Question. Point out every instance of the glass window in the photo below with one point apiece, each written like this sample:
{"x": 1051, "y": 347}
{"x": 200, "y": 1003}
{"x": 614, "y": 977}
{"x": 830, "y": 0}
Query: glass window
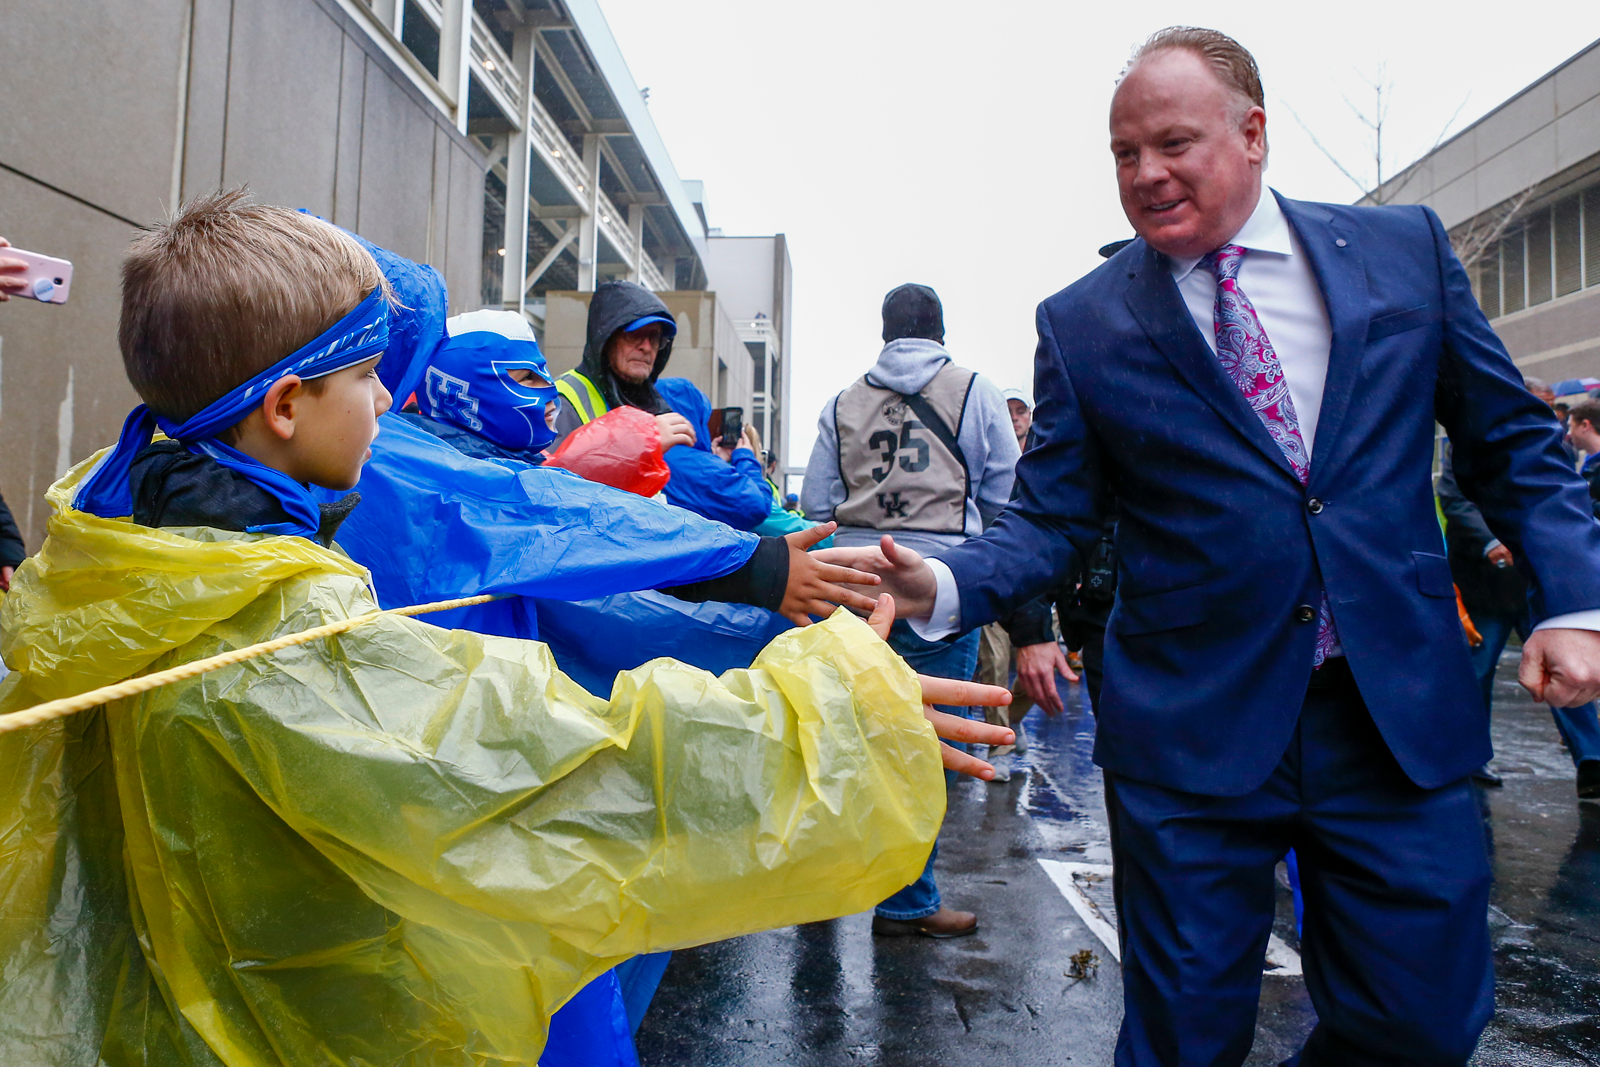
{"x": 1591, "y": 236}
{"x": 1513, "y": 276}
{"x": 1539, "y": 280}
{"x": 1489, "y": 282}
{"x": 1569, "y": 247}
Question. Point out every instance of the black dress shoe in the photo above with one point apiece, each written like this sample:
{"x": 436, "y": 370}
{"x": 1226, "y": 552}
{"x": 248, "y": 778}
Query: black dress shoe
{"x": 1487, "y": 778}
{"x": 1589, "y": 780}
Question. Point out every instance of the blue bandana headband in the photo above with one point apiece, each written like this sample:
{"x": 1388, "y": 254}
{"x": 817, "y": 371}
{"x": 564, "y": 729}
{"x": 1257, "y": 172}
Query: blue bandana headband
{"x": 356, "y": 338}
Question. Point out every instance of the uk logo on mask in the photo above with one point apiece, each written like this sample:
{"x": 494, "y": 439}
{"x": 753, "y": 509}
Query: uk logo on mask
{"x": 451, "y": 397}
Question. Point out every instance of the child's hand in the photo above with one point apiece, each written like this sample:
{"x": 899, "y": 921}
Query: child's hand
{"x": 905, "y": 574}
{"x": 812, "y": 589}
{"x": 950, "y": 691}
{"x": 675, "y": 430}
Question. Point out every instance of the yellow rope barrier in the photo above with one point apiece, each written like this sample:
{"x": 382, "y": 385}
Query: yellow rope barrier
{"x": 60, "y": 709}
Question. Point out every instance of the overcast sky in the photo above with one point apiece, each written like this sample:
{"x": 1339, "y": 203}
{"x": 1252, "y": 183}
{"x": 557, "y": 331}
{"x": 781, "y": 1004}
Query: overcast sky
{"x": 964, "y": 145}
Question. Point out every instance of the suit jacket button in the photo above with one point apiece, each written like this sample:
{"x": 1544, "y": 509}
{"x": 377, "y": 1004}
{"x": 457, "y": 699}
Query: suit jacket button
{"x": 1305, "y": 613}
{"x": 1314, "y": 506}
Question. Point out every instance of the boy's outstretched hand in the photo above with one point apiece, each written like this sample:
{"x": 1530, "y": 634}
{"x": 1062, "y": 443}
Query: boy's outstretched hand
{"x": 815, "y": 585}
{"x": 904, "y": 573}
{"x": 950, "y": 691}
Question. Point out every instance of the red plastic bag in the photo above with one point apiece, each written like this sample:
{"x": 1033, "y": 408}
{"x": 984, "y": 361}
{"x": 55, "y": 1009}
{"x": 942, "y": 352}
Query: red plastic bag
{"x": 621, "y": 448}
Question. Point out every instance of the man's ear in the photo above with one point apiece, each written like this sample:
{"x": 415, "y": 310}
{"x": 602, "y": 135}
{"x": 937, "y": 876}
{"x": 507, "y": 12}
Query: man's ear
{"x": 1254, "y": 128}
{"x": 278, "y": 407}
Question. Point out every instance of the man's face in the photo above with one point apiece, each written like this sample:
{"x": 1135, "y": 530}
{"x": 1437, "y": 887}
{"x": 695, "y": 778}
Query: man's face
{"x": 1188, "y": 153}
{"x": 1585, "y": 436}
{"x": 1021, "y": 419}
{"x": 633, "y": 353}
{"x": 1546, "y": 394}
{"x": 334, "y": 429}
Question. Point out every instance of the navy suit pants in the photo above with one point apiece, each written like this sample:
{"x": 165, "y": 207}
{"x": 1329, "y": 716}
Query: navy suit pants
{"x": 1396, "y": 882}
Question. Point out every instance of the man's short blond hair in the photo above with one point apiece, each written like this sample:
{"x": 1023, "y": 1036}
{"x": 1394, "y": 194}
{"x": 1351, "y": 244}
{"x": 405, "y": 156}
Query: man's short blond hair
{"x": 1229, "y": 60}
{"x": 224, "y": 289}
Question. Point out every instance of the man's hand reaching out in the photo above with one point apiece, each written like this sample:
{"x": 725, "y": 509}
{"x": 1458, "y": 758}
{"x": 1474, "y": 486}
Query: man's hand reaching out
{"x": 816, "y": 585}
{"x": 950, "y": 691}
{"x": 905, "y": 575}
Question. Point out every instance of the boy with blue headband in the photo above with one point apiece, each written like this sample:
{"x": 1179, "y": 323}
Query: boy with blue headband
{"x": 403, "y": 844}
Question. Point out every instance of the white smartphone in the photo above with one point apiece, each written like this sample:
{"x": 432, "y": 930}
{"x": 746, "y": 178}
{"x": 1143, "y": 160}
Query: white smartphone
{"x": 49, "y": 279}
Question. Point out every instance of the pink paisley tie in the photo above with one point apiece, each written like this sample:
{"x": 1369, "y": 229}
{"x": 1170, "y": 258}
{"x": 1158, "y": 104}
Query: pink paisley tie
{"x": 1247, "y": 355}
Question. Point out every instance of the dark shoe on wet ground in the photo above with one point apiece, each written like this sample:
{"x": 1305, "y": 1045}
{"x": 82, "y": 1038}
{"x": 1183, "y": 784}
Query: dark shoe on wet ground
{"x": 1589, "y": 780}
{"x": 1487, "y": 778}
{"x": 943, "y": 923}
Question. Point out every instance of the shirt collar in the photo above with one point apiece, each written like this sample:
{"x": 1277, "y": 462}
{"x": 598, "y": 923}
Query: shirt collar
{"x": 1266, "y": 230}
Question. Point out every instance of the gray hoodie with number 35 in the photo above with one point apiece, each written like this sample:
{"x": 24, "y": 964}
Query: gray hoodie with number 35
{"x": 986, "y": 437}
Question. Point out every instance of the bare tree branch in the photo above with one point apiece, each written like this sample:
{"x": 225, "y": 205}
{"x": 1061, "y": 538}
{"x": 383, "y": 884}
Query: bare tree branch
{"x": 1359, "y": 184}
{"x": 1412, "y": 171}
{"x": 1474, "y": 241}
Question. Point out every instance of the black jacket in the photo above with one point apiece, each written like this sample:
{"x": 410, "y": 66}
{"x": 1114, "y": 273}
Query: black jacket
{"x": 1591, "y": 474}
{"x": 175, "y": 487}
{"x": 12, "y": 550}
{"x": 1487, "y": 591}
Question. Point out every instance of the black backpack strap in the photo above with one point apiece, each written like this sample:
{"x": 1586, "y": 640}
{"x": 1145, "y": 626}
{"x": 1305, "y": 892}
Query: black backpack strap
{"x": 940, "y": 429}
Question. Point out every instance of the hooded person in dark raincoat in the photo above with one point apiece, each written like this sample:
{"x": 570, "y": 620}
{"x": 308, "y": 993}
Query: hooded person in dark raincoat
{"x": 627, "y": 319}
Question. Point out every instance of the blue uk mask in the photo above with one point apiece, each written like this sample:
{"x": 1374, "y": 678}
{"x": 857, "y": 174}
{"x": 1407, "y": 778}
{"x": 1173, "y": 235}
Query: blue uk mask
{"x": 472, "y": 380}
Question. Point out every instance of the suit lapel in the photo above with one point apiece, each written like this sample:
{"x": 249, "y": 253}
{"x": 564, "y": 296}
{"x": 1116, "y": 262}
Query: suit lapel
{"x": 1341, "y": 275}
{"x": 1154, "y": 299}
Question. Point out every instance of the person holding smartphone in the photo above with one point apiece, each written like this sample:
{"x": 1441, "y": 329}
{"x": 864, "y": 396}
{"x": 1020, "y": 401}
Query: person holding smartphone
{"x": 10, "y": 274}
{"x": 628, "y": 344}
{"x": 12, "y": 550}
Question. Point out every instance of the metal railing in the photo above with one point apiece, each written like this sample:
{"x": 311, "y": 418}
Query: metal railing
{"x": 650, "y": 275}
{"x": 495, "y": 69}
{"x": 614, "y": 225}
{"x": 543, "y": 129}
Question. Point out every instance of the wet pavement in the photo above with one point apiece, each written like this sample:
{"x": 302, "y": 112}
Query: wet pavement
{"x": 832, "y": 994}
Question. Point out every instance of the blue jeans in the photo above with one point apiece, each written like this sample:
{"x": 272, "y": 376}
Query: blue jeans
{"x": 940, "y": 659}
{"x": 1579, "y": 727}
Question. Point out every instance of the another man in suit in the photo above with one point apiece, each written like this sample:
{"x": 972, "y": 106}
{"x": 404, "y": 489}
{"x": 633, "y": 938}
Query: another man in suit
{"x": 1256, "y": 381}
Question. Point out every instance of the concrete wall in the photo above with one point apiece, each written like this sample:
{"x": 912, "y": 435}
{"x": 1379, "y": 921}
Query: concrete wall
{"x": 753, "y": 274}
{"x": 1555, "y": 340}
{"x": 707, "y": 349}
{"x": 128, "y": 105}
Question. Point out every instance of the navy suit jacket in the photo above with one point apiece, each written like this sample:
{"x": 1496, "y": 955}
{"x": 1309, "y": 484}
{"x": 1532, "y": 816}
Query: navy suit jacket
{"x": 1221, "y": 549}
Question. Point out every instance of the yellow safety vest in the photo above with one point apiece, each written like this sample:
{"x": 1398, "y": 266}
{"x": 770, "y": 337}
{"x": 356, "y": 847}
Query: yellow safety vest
{"x": 569, "y": 385}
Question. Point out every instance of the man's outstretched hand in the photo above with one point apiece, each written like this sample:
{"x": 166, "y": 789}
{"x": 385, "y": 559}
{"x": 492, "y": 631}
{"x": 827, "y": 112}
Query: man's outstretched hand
{"x": 950, "y": 691}
{"x": 1561, "y": 667}
{"x": 1037, "y": 667}
{"x": 817, "y": 585}
{"x": 905, "y": 575}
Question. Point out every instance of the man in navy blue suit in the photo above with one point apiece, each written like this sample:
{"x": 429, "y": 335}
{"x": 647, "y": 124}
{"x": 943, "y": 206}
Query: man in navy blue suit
{"x": 1256, "y": 380}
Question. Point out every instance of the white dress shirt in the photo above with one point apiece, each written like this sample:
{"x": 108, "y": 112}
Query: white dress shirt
{"x": 1276, "y": 277}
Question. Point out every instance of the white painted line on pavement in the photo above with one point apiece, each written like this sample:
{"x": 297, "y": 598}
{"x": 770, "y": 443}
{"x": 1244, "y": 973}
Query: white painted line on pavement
{"x": 1061, "y": 873}
{"x": 1281, "y": 959}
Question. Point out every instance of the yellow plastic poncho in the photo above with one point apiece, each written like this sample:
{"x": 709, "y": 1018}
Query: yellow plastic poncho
{"x": 405, "y": 844}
